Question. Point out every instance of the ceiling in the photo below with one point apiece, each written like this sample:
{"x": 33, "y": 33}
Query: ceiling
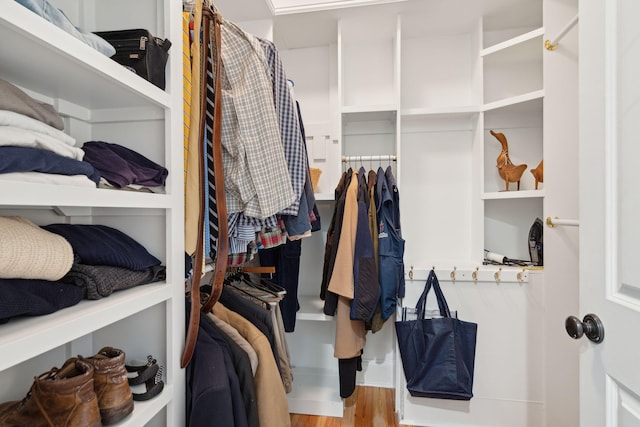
{"x": 303, "y": 23}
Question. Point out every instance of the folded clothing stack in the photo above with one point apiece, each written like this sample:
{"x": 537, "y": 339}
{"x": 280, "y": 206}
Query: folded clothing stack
{"x": 106, "y": 259}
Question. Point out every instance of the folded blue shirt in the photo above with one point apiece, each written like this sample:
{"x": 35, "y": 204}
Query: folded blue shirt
{"x": 27, "y": 159}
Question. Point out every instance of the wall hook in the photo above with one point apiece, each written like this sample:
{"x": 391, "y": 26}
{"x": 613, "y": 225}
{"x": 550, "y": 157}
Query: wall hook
{"x": 453, "y": 274}
{"x": 411, "y": 273}
{"x": 474, "y": 275}
{"x": 496, "y": 275}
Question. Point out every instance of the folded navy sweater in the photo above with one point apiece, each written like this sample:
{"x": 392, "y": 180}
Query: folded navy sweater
{"x": 96, "y": 244}
{"x": 28, "y": 159}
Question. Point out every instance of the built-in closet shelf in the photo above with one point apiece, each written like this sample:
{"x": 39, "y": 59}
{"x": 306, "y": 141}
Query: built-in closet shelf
{"x": 518, "y": 42}
{"x": 315, "y": 391}
{"x": 369, "y": 109}
{"x": 462, "y": 111}
{"x": 99, "y": 99}
{"x": 97, "y": 81}
{"x": 514, "y": 100}
{"x": 33, "y": 194}
{"x": 311, "y": 309}
{"x": 23, "y": 338}
{"x": 524, "y": 194}
{"x": 325, "y": 197}
{"x": 144, "y": 412}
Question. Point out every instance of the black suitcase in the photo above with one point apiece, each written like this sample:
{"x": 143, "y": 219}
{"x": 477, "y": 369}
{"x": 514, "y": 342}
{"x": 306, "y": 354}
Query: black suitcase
{"x": 140, "y": 52}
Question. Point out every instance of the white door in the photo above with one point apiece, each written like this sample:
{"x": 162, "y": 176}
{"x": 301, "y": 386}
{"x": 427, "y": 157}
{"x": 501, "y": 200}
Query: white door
{"x": 610, "y": 210}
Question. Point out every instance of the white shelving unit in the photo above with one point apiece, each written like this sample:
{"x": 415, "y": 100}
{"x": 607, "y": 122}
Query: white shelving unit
{"x": 426, "y": 81}
{"x": 101, "y": 100}
{"x": 423, "y": 80}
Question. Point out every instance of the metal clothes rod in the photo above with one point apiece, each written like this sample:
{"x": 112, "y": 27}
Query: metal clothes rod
{"x": 248, "y": 269}
{"x": 553, "y": 43}
{"x": 552, "y": 222}
{"x": 346, "y": 159}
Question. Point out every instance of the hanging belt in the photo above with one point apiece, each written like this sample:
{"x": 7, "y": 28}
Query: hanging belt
{"x": 220, "y": 265}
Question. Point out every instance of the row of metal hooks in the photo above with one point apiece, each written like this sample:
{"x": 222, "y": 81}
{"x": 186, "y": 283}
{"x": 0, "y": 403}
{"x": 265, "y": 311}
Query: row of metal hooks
{"x": 476, "y": 275}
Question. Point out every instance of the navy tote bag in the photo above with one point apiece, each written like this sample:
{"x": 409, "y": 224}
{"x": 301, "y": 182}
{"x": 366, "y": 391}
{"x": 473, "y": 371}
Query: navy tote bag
{"x": 438, "y": 354}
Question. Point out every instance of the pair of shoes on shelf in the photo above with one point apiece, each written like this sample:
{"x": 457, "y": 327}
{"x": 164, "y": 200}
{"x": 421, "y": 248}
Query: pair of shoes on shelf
{"x": 85, "y": 392}
{"x": 148, "y": 373}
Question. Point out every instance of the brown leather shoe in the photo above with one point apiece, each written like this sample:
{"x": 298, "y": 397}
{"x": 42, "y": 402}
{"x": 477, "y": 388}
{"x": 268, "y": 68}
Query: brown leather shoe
{"x": 111, "y": 385}
{"x": 58, "y": 398}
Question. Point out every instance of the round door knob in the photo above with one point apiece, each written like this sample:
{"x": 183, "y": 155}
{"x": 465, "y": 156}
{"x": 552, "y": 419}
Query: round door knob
{"x": 591, "y": 326}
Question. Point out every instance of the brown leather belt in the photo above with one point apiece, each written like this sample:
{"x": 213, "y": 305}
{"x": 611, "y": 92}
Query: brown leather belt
{"x": 210, "y": 19}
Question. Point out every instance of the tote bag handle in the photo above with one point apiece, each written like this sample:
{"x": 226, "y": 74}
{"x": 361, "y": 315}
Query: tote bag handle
{"x": 432, "y": 281}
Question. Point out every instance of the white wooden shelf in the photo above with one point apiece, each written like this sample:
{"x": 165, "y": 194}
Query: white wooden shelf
{"x": 144, "y": 411}
{"x": 514, "y": 100}
{"x": 97, "y": 81}
{"x": 387, "y": 109}
{"x": 101, "y": 100}
{"x": 325, "y": 197}
{"x": 34, "y": 194}
{"x": 23, "y": 338}
{"x": 315, "y": 392}
{"x": 524, "y": 194}
{"x": 513, "y": 42}
{"x": 443, "y": 112}
{"x": 311, "y": 309}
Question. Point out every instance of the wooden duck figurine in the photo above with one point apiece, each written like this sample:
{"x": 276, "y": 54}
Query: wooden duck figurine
{"x": 538, "y": 173}
{"x": 506, "y": 169}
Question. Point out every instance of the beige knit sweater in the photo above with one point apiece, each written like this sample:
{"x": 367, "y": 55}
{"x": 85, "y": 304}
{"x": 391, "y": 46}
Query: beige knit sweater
{"x": 30, "y": 252}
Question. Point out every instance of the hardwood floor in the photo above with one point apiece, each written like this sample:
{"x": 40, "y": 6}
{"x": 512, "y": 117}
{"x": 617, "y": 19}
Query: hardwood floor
{"x": 368, "y": 407}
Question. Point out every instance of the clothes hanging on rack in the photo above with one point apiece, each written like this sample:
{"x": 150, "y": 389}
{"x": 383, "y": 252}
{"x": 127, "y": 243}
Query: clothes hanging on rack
{"x": 265, "y": 158}
{"x": 193, "y": 206}
{"x": 350, "y": 334}
{"x": 301, "y": 217}
{"x": 376, "y": 322}
{"x": 366, "y": 290}
{"x": 213, "y": 395}
{"x": 256, "y": 173}
{"x": 286, "y": 259}
{"x": 257, "y": 304}
{"x": 250, "y": 146}
{"x": 258, "y": 316}
{"x": 250, "y": 310}
{"x": 242, "y": 366}
{"x": 255, "y": 194}
{"x": 211, "y": 121}
{"x": 363, "y": 271}
{"x": 240, "y": 341}
{"x": 273, "y": 409}
{"x": 390, "y": 242}
{"x": 290, "y": 134}
{"x": 259, "y": 294}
